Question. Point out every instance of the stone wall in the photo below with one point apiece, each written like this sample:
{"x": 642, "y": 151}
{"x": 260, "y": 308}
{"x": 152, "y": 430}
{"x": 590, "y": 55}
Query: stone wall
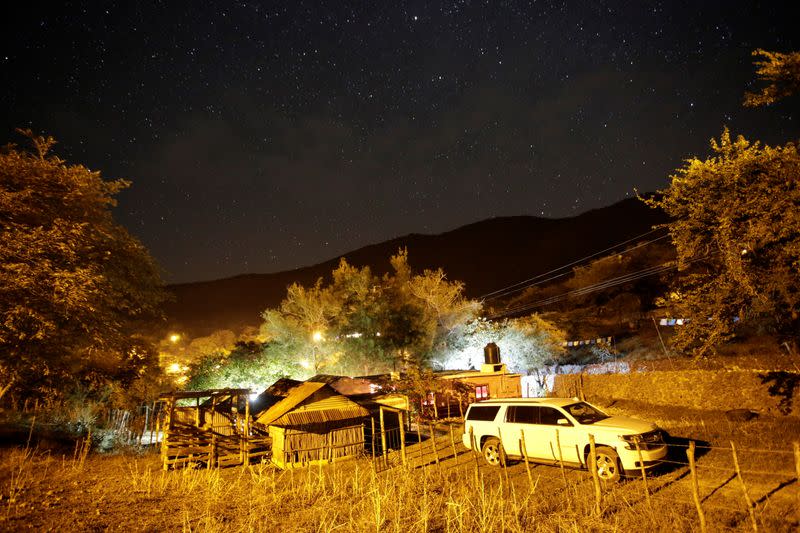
{"x": 698, "y": 389}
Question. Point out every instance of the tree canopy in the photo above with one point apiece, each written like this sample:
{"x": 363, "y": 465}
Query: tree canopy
{"x": 360, "y": 323}
{"x": 781, "y": 75}
{"x": 75, "y": 287}
{"x": 736, "y": 228}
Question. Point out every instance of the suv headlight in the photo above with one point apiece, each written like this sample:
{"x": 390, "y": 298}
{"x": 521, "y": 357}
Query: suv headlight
{"x": 651, "y": 439}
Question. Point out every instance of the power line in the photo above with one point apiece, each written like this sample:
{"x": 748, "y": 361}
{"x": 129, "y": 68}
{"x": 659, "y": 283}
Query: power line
{"x": 522, "y": 285}
{"x": 634, "y": 276}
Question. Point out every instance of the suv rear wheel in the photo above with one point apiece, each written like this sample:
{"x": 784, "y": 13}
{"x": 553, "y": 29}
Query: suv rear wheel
{"x": 608, "y": 468}
{"x": 493, "y": 452}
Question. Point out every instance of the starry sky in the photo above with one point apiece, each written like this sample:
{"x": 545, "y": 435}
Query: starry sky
{"x": 264, "y": 136}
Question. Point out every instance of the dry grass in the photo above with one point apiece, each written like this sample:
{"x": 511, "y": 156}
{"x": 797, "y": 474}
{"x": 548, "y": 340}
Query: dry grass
{"x": 132, "y": 492}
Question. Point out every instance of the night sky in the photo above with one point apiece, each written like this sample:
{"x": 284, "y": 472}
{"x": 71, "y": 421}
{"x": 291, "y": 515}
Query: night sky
{"x": 266, "y": 136}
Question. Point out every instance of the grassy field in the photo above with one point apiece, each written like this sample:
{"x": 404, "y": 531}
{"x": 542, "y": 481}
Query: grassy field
{"x": 89, "y": 492}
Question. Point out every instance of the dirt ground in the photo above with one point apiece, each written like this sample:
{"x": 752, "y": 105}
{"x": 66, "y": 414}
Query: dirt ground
{"x": 445, "y": 490}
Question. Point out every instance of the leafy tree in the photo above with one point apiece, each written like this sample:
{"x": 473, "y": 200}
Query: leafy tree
{"x": 780, "y": 72}
{"x": 525, "y": 343}
{"x": 368, "y": 324}
{"x": 250, "y": 365}
{"x": 219, "y": 342}
{"x": 75, "y": 286}
{"x": 736, "y": 228}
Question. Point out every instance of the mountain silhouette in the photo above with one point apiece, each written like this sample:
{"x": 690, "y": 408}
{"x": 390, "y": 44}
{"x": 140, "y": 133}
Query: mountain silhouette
{"x": 486, "y": 256}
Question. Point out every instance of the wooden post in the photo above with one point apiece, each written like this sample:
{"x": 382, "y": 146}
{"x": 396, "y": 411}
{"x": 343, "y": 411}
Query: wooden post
{"x": 644, "y": 473}
{"x": 383, "y": 439}
{"x": 598, "y": 495}
{"x": 524, "y": 449}
{"x": 153, "y": 422}
{"x": 695, "y": 487}
{"x": 419, "y": 444}
{"x": 460, "y": 408}
{"x": 796, "y": 446}
{"x": 435, "y": 407}
{"x": 372, "y": 436}
{"x": 747, "y": 499}
{"x": 246, "y": 436}
{"x": 401, "y": 418}
{"x": 166, "y": 430}
{"x": 146, "y": 424}
{"x": 197, "y": 412}
{"x": 213, "y": 455}
{"x": 561, "y": 459}
{"x": 503, "y": 464}
{"x": 453, "y": 444}
{"x": 449, "y": 399}
{"x": 475, "y": 451}
{"x": 433, "y": 443}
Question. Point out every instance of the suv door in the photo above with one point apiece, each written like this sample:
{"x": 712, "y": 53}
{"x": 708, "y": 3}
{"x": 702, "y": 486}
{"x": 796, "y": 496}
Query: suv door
{"x": 548, "y": 433}
{"x": 520, "y": 419}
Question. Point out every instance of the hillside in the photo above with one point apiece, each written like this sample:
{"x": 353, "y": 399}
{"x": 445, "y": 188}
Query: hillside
{"x": 486, "y": 256}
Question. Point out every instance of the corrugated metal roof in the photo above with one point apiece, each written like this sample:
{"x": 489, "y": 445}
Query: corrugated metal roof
{"x": 282, "y": 387}
{"x": 304, "y": 418}
{"x": 315, "y": 402}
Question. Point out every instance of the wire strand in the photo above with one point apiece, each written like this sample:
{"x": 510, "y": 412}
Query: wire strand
{"x": 495, "y": 294}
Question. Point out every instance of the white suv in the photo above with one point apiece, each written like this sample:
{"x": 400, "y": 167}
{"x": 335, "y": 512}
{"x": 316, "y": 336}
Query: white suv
{"x": 498, "y": 426}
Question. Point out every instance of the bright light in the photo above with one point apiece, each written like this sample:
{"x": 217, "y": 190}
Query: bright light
{"x": 317, "y": 336}
{"x": 305, "y": 364}
{"x": 174, "y": 368}
{"x": 174, "y": 338}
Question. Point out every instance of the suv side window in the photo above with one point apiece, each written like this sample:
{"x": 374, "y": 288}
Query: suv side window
{"x": 550, "y": 416}
{"x": 483, "y": 412}
{"x": 523, "y": 414}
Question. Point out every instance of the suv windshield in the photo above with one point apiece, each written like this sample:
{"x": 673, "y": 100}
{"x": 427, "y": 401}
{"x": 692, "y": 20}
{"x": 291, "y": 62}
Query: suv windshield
{"x": 585, "y": 413}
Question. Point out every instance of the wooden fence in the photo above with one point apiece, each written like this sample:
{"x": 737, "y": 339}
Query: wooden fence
{"x": 212, "y": 432}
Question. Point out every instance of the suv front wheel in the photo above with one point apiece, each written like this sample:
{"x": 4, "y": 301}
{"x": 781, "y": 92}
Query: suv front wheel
{"x": 608, "y": 468}
{"x": 493, "y": 452}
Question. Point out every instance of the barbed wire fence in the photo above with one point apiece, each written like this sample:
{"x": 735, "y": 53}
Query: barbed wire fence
{"x": 715, "y": 484}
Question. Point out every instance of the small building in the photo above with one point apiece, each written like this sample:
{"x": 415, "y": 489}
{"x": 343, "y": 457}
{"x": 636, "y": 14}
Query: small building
{"x": 312, "y": 423}
{"x": 493, "y": 380}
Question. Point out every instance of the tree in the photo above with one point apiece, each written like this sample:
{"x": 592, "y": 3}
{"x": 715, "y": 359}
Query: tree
{"x": 75, "y": 287}
{"x": 781, "y": 73}
{"x": 249, "y": 365}
{"x": 736, "y": 228}
{"x": 368, "y": 324}
{"x": 526, "y": 343}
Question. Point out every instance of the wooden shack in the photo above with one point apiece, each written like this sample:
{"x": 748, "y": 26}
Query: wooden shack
{"x": 209, "y": 427}
{"x": 313, "y": 423}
